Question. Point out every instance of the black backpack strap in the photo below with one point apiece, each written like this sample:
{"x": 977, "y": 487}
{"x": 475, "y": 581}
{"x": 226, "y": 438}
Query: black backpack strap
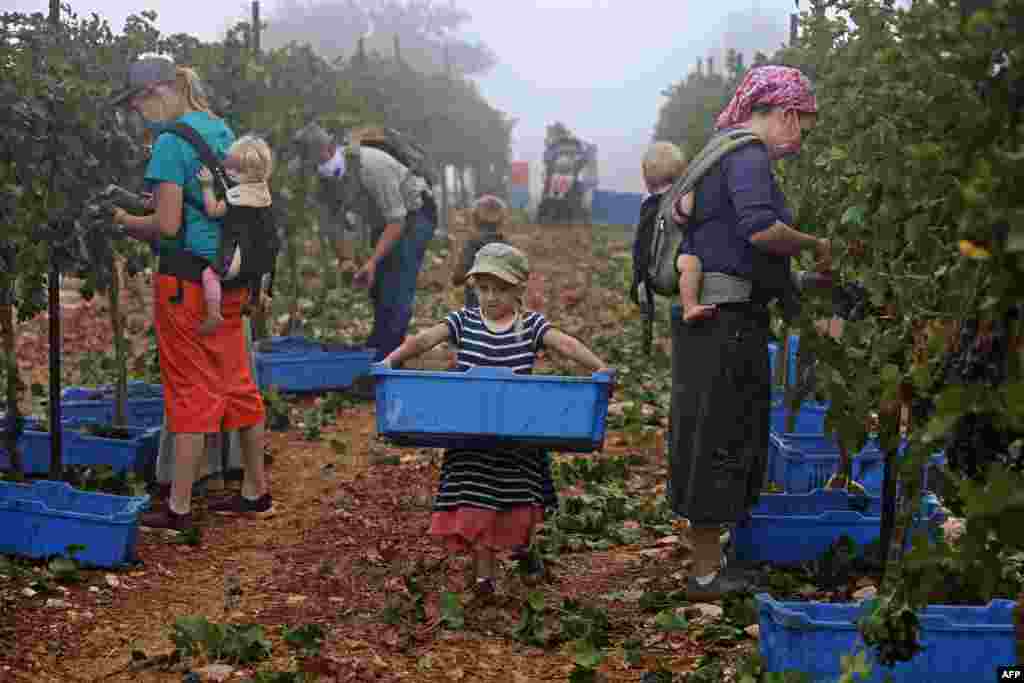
{"x": 206, "y": 155}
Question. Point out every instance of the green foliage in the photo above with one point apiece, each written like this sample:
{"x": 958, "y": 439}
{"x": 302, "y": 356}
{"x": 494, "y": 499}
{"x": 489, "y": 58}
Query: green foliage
{"x": 592, "y": 470}
{"x": 280, "y": 677}
{"x": 191, "y": 537}
{"x": 688, "y": 116}
{"x": 65, "y": 569}
{"x": 912, "y": 171}
{"x": 306, "y": 640}
{"x": 194, "y": 636}
{"x": 278, "y": 410}
{"x": 750, "y": 669}
{"x": 908, "y": 159}
{"x": 669, "y": 620}
{"x": 312, "y": 422}
{"x": 596, "y": 519}
{"x": 452, "y": 614}
{"x": 104, "y": 479}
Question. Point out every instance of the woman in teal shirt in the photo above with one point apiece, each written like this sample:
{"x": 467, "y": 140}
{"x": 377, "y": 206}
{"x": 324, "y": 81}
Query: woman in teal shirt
{"x": 208, "y": 384}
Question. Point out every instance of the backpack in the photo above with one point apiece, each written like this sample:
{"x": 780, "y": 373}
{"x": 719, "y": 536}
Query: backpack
{"x": 659, "y": 236}
{"x": 407, "y": 152}
{"x": 258, "y": 244}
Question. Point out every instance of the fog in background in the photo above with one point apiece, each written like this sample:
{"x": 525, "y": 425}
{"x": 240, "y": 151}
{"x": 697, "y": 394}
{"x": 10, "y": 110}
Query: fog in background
{"x": 598, "y": 66}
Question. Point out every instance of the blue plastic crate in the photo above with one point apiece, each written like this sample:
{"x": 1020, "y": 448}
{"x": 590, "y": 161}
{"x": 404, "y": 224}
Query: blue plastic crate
{"x": 815, "y": 502}
{"x": 290, "y": 344}
{"x": 44, "y": 518}
{"x": 485, "y": 407}
{"x": 799, "y": 463}
{"x": 297, "y": 365}
{"x": 34, "y": 446}
{"x": 137, "y": 389}
{"x": 773, "y": 358}
{"x": 83, "y": 449}
{"x": 139, "y": 412}
{"x": 872, "y": 476}
{"x": 810, "y": 419}
{"x": 961, "y": 644}
{"x": 789, "y": 529}
{"x": 144, "y": 406}
{"x": 121, "y": 454}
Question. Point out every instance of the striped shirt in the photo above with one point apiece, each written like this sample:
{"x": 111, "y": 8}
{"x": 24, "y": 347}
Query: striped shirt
{"x": 479, "y": 346}
{"x": 501, "y": 478}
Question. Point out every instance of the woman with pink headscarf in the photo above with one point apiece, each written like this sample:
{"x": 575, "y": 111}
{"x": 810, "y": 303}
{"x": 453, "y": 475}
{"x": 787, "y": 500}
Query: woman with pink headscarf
{"x": 742, "y": 232}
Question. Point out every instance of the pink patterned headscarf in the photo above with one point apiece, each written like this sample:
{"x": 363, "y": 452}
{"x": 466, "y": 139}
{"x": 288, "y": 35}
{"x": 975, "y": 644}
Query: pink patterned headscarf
{"x": 777, "y": 86}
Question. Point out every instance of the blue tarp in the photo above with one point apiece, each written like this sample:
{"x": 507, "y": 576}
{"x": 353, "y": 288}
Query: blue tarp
{"x": 616, "y": 208}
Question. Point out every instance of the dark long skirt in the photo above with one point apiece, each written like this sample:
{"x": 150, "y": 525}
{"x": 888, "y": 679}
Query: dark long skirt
{"x": 721, "y": 402}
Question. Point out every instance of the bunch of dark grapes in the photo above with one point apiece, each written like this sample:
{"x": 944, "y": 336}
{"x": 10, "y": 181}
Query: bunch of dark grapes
{"x": 851, "y": 302}
{"x": 977, "y": 440}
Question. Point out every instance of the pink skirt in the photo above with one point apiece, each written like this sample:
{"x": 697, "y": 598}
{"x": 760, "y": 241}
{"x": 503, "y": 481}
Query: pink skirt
{"x": 466, "y": 528}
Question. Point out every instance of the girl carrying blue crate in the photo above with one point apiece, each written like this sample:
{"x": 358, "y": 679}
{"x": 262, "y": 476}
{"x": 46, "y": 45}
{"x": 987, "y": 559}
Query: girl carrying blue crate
{"x": 490, "y": 501}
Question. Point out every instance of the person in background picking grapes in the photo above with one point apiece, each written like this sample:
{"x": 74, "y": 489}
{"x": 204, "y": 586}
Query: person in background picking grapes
{"x": 721, "y": 388}
{"x": 401, "y": 217}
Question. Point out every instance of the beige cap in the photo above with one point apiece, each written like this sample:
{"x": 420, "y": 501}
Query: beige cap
{"x": 502, "y": 261}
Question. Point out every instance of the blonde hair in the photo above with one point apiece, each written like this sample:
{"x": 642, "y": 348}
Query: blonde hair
{"x": 369, "y": 133}
{"x": 190, "y": 89}
{"x": 255, "y": 160}
{"x": 663, "y": 162}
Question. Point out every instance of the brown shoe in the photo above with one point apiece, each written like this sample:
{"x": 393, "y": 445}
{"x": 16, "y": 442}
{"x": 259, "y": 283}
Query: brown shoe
{"x": 240, "y": 505}
{"x": 166, "y": 519}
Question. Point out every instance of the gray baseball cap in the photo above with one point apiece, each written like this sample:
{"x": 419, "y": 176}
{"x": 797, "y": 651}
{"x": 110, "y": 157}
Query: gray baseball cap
{"x": 145, "y": 71}
{"x": 311, "y": 137}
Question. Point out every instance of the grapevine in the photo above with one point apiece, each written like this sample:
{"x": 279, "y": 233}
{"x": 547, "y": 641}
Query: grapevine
{"x": 893, "y": 631}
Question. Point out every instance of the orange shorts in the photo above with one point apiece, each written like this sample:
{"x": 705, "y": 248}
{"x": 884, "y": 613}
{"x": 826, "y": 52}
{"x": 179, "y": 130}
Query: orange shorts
{"x": 208, "y": 385}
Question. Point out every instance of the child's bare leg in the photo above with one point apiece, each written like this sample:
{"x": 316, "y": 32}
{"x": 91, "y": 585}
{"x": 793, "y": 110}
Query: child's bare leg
{"x": 689, "y": 289}
{"x": 485, "y": 562}
{"x": 212, "y": 295}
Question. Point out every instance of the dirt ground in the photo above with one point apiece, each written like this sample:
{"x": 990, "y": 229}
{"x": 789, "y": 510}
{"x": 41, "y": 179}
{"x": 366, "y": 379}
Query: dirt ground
{"x": 346, "y": 529}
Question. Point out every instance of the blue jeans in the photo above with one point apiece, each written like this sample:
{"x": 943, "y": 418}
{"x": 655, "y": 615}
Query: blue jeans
{"x": 424, "y": 226}
{"x": 394, "y": 287}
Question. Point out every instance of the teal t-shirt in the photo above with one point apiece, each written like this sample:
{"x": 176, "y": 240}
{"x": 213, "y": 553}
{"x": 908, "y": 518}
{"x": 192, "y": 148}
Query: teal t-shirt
{"x": 175, "y": 161}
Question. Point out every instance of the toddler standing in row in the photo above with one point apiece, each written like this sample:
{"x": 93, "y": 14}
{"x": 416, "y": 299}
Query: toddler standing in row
{"x": 489, "y": 213}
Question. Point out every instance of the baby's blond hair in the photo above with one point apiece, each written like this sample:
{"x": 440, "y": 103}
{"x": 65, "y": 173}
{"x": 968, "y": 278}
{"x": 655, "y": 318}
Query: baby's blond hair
{"x": 255, "y": 160}
{"x": 663, "y": 163}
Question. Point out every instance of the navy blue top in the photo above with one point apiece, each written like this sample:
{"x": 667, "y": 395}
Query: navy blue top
{"x": 738, "y": 198}
{"x": 480, "y": 346}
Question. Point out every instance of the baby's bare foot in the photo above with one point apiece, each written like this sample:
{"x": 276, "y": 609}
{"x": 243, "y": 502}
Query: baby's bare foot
{"x": 210, "y": 325}
{"x": 698, "y": 312}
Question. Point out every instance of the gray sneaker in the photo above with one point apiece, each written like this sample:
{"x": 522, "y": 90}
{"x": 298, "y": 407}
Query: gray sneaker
{"x": 727, "y": 581}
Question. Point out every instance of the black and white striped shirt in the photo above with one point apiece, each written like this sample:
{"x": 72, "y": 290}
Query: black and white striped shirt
{"x": 479, "y": 346}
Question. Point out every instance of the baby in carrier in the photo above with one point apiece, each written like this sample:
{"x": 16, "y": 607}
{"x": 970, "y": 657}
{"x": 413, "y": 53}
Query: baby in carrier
{"x": 249, "y": 164}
